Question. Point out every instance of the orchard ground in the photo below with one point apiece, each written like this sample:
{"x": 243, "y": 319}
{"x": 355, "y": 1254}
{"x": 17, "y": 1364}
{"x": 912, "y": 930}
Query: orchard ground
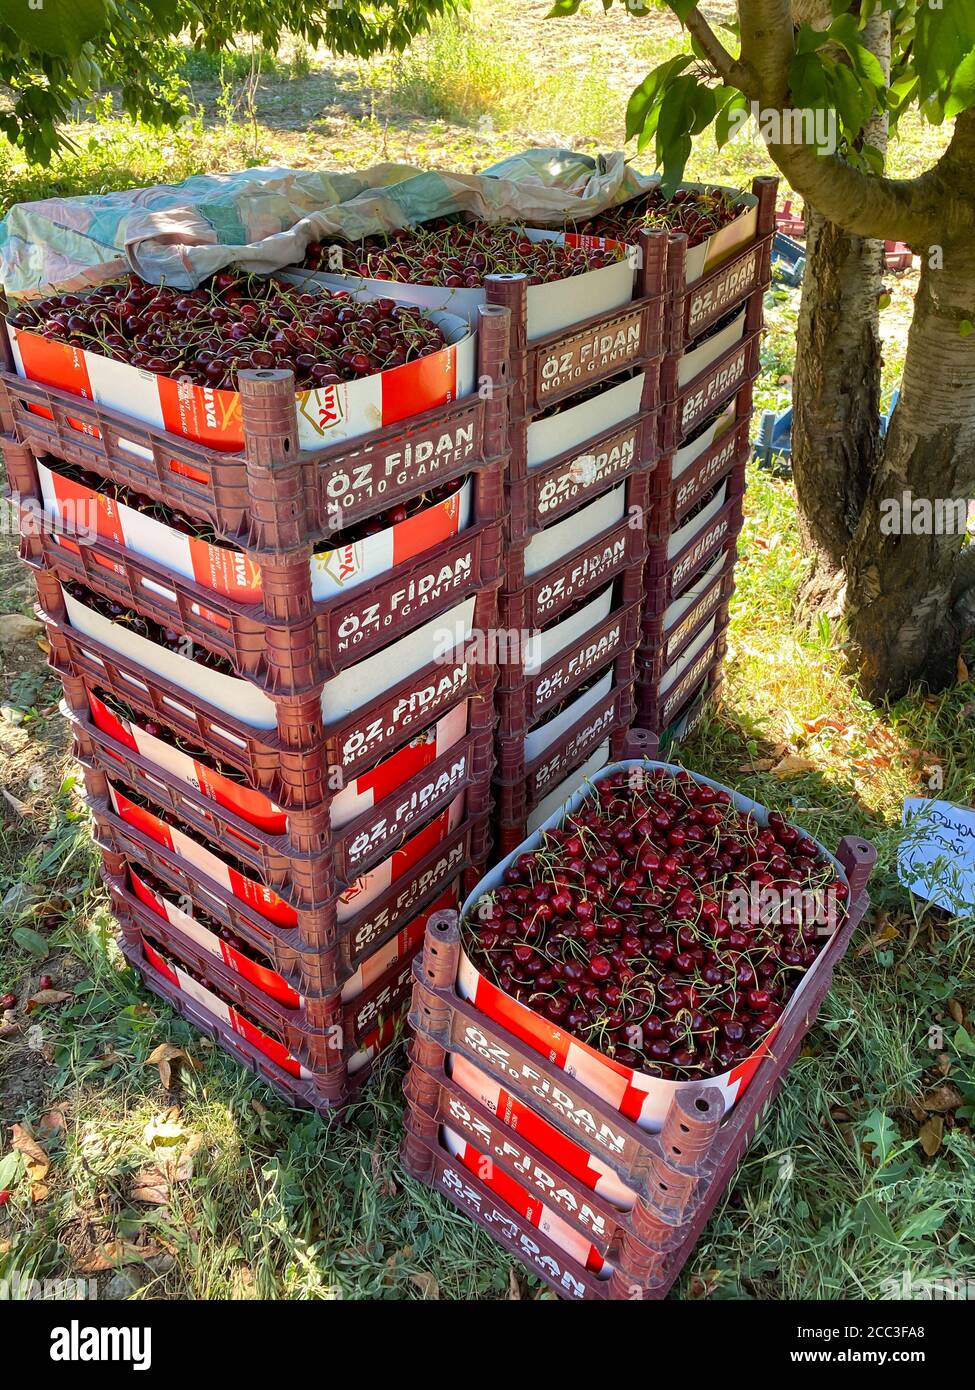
{"x": 863, "y": 1174}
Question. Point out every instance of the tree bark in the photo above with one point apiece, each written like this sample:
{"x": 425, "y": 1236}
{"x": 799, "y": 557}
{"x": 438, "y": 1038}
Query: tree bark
{"x": 910, "y": 599}
{"x": 836, "y": 393}
{"x": 835, "y": 425}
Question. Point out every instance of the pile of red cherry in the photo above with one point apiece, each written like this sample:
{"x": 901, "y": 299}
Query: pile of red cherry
{"x": 659, "y": 924}
{"x": 698, "y": 214}
{"x": 458, "y": 255}
{"x": 236, "y": 321}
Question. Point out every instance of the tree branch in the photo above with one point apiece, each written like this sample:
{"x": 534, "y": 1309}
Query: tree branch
{"x": 732, "y": 72}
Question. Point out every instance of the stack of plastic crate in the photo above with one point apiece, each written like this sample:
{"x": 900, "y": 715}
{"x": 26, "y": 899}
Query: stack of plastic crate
{"x": 597, "y": 1183}
{"x": 715, "y": 319}
{"x": 582, "y": 449}
{"x": 287, "y": 744}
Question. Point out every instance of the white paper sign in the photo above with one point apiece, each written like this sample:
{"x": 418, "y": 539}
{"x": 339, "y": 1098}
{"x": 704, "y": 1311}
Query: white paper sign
{"x": 936, "y": 859}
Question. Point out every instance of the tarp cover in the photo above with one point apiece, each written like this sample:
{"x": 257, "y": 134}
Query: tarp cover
{"x": 264, "y": 218}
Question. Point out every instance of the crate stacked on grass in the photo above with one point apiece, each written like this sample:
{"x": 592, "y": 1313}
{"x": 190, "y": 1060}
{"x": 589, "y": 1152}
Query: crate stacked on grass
{"x": 587, "y": 333}
{"x": 260, "y": 603}
{"x": 590, "y": 1117}
{"x": 717, "y": 298}
{"x": 582, "y": 449}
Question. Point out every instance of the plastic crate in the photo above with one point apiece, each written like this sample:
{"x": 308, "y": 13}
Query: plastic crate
{"x": 307, "y": 641}
{"x": 216, "y": 1019}
{"x": 291, "y": 763}
{"x": 674, "y": 562}
{"x": 542, "y": 487}
{"x": 666, "y": 634}
{"x": 697, "y": 307}
{"x": 693, "y": 712}
{"x": 326, "y": 856}
{"x": 338, "y": 949}
{"x": 677, "y": 1176}
{"x": 360, "y": 913}
{"x": 686, "y": 407}
{"x": 551, "y": 368}
{"x": 684, "y": 476}
{"x": 533, "y": 596}
{"x": 273, "y": 496}
{"x": 607, "y": 638}
{"x": 658, "y": 708}
{"x": 320, "y": 1035}
{"x": 266, "y": 965}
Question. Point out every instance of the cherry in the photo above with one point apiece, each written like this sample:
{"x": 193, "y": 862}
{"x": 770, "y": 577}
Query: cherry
{"x": 8, "y": 1001}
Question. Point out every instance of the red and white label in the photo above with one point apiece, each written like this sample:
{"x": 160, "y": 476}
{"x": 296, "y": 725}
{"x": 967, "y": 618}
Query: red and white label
{"x": 528, "y": 1206}
{"x": 530, "y": 1126}
{"x": 211, "y": 417}
{"x": 366, "y": 889}
{"x": 262, "y": 976}
{"x": 253, "y": 806}
{"x": 258, "y": 1039}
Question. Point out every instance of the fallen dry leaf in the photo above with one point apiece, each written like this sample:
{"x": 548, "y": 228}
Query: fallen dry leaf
{"x": 956, "y": 1011}
{"x": 887, "y": 932}
{"x": 759, "y": 765}
{"x": 514, "y": 1284}
{"x": 961, "y": 670}
{"x": 943, "y": 1098}
{"x": 151, "y": 1186}
{"x": 52, "y": 1123}
{"x": 48, "y": 996}
{"x": 792, "y": 765}
{"x": 426, "y": 1283}
{"x": 36, "y": 1161}
{"x": 19, "y": 807}
{"x": 824, "y": 721}
{"x": 381, "y": 1175}
{"x": 164, "y": 1057}
{"x": 930, "y": 1134}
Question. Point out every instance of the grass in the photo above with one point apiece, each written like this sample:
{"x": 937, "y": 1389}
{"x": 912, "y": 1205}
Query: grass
{"x": 836, "y": 1196}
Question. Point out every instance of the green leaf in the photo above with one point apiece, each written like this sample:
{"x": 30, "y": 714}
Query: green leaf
{"x": 807, "y": 80}
{"x": 681, "y": 8}
{"x": 880, "y": 1131}
{"x": 644, "y": 100}
{"x": 966, "y": 328}
{"x": 852, "y": 100}
{"x": 962, "y": 94}
{"x": 845, "y": 33}
{"x": 873, "y": 1216}
{"x": 963, "y": 1041}
{"x": 924, "y": 1224}
{"x": 728, "y": 115}
{"x": 563, "y": 8}
{"x": 31, "y": 941}
{"x": 11, "y": 1169}
{"x": 58, "y": 27}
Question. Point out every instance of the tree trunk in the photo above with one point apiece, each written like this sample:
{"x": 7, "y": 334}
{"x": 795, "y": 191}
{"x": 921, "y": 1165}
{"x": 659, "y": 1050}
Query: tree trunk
{"x": 836, "y": 387}
{"x": 836, "y": 391}
{"x": 910, "y": 599}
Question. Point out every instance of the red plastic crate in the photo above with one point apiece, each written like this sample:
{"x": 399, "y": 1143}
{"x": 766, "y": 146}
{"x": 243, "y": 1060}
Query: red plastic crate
{"x": 320, "y": 1037}
{"x": 531, "y": 601}
{"x": 685, "y": 408}
{"x": 674, "y": 493}
{"x": 657, "y": 709}
{"x": 308, "y": 641}
{"x": 696, "y": 308}
{"x": 666, "y": 635}
{"x": 314, "y": 871}
{"x": 562, "y": 363}
{"x": 273, "y": 496}
{"x": 678, "y": 1175}
{"x": 291, "y": 764}
{"x": 295, "y": 979}
{"x": 428, "y": 861}
{"x": 543, "y": 494}
{"x": 668, "y": 575}
{"x": 325, "y": 1093}
{"x": 521, "y": 706}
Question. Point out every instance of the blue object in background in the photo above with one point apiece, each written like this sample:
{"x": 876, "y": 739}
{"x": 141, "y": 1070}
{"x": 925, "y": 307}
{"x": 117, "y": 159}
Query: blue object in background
{"x": 788, "y": 259}
{"x": 773, "y": 447}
